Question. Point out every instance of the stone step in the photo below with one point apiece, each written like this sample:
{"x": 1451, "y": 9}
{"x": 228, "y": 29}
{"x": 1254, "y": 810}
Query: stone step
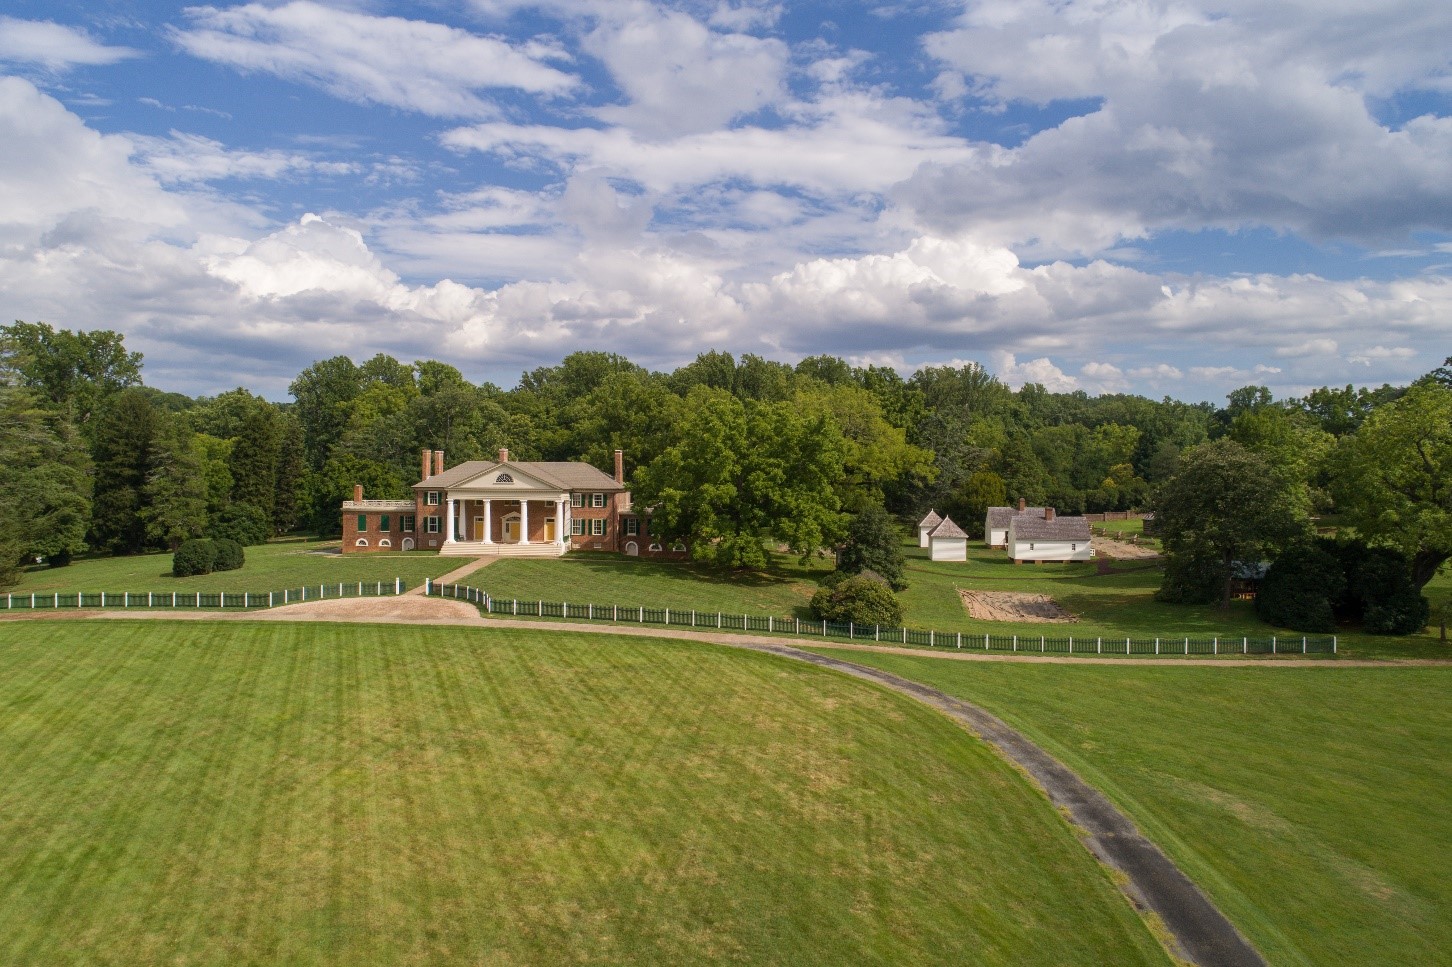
{"x": 480, "y": 549}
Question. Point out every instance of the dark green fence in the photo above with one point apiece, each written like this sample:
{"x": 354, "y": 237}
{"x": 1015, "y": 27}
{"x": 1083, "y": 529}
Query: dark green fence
{"x": 191, "y": 600}
{"x": 770, "y": 624}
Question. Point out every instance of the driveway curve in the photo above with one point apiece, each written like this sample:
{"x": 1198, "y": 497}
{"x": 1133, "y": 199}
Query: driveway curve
{"x": 1199, "y": 932}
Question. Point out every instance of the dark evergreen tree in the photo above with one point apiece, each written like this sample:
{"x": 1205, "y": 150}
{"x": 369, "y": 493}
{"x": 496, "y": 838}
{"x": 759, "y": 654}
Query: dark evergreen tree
{"x": 123, "y": 450}
{"x": 873, "y": 544}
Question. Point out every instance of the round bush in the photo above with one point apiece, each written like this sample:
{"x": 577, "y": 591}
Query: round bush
{"x": 193, "y": 557}
{"x": 860, "y": 600}
{"x": 243, "y": 523}
{"x": 1299, "y": 587}
{"x": 230, "y": 555}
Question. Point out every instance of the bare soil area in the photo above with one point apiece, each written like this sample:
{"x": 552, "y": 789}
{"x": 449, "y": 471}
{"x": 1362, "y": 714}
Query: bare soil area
{"x": 1013, "y": 606}
{"x": 1122, "y": 551}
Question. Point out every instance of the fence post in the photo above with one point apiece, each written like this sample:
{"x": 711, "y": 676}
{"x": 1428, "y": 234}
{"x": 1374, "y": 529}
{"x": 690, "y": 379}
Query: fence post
{"x": 1216, "y": 644}
{"x": 1041, "y": 642}
{"x": 849, "y": 631}
{"x": 904, "y": 636}
{"x": 1157, "y": 646}
{"x": 1303, "y": 644}
{"x": 1015, "y": 642}
{"x": 985, "y": 642}
{"x": 930, "y": 637}
{"x": 1071, "y": 644}
{"x": 1273, "y": 644}
{"x": 668, "y": 617}
{"x": 877, "y": 632}
{"x": 1333, "y": 644}
{"x": 1245, "y": 646}
{"x": 1126, "y": 646}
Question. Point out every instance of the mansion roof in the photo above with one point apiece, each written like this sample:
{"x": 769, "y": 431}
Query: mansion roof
{"x": 564, "y": 474}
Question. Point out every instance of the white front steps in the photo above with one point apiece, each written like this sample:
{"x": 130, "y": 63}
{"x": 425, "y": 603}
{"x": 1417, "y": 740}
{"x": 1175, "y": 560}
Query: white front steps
{"x": 480, "y": 549}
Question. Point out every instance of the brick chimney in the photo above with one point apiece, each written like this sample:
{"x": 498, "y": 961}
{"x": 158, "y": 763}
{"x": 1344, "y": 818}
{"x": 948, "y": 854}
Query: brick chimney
{"x": 438, "y": 462}
{"x": 424, "y": 465}
{"x": 357, "y": 493}
{"x": 620, "y": 466}
{"x": 503, "y": 454}
{"x": 1048, "y": 513}
{"x": 1022, "y": 505}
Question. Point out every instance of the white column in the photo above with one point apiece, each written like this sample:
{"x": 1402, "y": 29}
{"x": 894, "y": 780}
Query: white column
{"x": 488, "y": 521}
{"x": 524, "y": 522}
{"x": 561, "y": 529}
{"x": 449, "y": 523}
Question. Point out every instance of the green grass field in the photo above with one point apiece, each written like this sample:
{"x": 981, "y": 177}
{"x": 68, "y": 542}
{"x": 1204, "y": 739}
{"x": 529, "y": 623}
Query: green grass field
{"x": 1108, "y": 605}
{"x": 247, "y": 793}
{"x": 274, "y": 566}
{"x": 1314, "y": 805}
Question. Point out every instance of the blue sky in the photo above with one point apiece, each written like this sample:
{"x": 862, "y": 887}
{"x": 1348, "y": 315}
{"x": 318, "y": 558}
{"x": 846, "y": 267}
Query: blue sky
{"x": 1168, "y": 198}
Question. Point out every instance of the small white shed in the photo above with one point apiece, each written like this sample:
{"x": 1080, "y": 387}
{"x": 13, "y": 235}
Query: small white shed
{"x": 995, "y": 524}
{"x": 926, "y": 525}
{"x": 1049, "y": 538}
{"x": 947, "y": 542}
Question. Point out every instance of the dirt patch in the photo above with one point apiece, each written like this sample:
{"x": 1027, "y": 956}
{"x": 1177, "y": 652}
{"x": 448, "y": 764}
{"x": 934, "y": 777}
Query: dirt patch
{"x": 1123, "y": 551}
{"x": 1013, "y": 606}
{"x": 404, "y": 609}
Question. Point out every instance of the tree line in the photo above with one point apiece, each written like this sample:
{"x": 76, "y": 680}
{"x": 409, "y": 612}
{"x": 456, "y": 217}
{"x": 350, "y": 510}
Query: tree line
{"x": 736, "y": 455}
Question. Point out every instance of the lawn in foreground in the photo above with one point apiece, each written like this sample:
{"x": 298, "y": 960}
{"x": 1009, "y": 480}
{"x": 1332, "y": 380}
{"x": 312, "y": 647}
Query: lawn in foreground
{"x": 1313, "y": 805}
{"x": 288, "y": 563}
{"x": 236, "y": 792}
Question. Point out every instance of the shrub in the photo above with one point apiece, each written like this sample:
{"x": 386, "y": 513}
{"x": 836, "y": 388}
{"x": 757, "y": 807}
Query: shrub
{"x": 196, "y": 556}
{"x": 1299, "y": 588}
{"x": 230, "y": 555}
{"x": 243, "y": 523}
{"x": 1390, "y": 603}
{"x": 1191, "y": 580}
{"x": 860, "y": 600}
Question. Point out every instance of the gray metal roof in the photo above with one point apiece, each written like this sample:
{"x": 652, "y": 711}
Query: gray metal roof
{"x": 566, "y": 475}
{"x": 1027, "y": 528}
{"x": 998, "y": 517}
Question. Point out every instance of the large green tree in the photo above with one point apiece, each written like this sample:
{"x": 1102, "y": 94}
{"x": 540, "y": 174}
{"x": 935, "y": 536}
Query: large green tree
{"x": 1225, "y": 505}
{"x": 873, "y": 544}
{"x": 745, "y": 475}
{"x": 72, "y": 371}
{"x": 1393, "y": 477}
{"x": 45, "y": 481}
{"x": 175, "y": 505}
{"x": 124, "y": 451}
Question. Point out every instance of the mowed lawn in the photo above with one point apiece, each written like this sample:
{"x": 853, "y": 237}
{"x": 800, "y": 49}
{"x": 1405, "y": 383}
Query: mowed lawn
{"x": 1104, "y": 605}
{"x": 288, "y": 563}
{"x": 1314, "y": 805}
{"x": 244, "y": 793}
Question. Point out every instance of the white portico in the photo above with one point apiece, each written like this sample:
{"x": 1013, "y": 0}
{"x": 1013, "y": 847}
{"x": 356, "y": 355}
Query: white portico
{"x": 513, "y": 508}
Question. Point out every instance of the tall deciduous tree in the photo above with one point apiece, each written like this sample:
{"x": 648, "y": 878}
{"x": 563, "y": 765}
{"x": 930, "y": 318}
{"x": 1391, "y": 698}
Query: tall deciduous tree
{"x": 745, "y": 474}
{"x": 73, "y": 371}
{"x": 1225, "y": 505}
{"x": 1393, "y": 477}
{"x": 45, "y": 482}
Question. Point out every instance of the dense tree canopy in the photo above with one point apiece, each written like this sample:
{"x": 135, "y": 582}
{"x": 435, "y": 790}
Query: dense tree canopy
{"x": 1225, "y": 505}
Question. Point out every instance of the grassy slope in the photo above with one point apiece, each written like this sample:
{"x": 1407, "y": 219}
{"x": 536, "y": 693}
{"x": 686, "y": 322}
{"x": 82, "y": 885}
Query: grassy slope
{"x": 269, "y": 567}
{"x": 189, "y": 793}
{"x": 1108, "y": 605}
{"x": 1312, "y": 804}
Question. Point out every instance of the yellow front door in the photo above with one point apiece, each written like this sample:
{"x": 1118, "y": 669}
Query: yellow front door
{"x": 478, "y": 534}
{"x": 549, "y": 530}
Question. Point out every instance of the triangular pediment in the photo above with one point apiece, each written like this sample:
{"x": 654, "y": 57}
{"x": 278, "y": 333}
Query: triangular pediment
{"x": 503, "y": 479}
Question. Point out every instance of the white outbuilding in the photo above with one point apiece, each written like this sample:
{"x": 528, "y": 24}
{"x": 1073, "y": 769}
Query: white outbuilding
{"x": 947, "y": 542}
{"x": 995, "y": 525}
{"x": 1049, "y": 538}
{"x": 926, "y": 525}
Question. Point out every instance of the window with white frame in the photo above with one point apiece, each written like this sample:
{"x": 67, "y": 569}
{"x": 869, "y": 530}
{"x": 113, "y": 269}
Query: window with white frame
{"x": 632, "y": 526}
{"x": 431, "y": 525}
{"x": 432, "y": 498}
{"x": 577, "y": 500}
{"x": 577, "y": 526}
{"x": 407, "y": 523}
{"x": 597, "y": 527}
{"x": 597, "y": 500}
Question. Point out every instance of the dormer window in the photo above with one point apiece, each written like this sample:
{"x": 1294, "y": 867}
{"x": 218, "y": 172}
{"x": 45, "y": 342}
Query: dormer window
{"x": 503, "y": 478}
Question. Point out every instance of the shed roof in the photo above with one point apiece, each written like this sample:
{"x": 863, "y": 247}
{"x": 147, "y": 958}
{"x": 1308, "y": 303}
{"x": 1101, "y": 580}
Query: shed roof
{"x": 1058, "y": 529}
{"x": 947, "y": 530}
{"x": 930, "y": 521}
{"x": 998, "y": 517}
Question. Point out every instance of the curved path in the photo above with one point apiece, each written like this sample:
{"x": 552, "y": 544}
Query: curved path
{"x": 1200, "y": 933}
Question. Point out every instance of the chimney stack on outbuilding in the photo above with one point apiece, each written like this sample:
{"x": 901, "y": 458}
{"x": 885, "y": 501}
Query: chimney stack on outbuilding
{"x": 357, "y": 493}
{"x": 503, "y": 454}
{"x": 424, "y": 465}
{"x": 620, "y": 466}
{"x": 1048, "y": 513}
{"x": 1022, "y": 505}
{"x": 438, "y": 462}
